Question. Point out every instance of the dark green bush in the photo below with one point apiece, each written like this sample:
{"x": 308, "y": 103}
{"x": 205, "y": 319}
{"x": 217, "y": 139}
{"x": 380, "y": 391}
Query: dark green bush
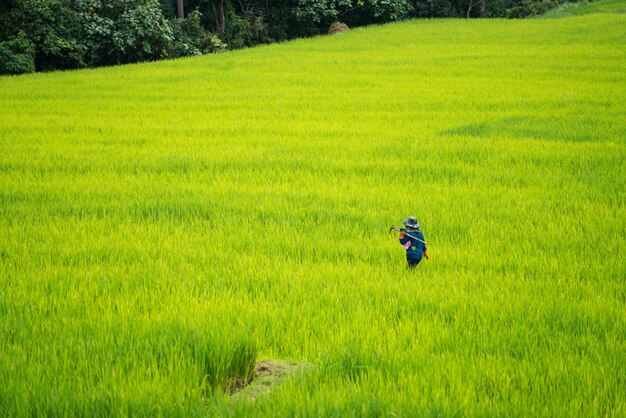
{"x": 122, "y": 31}
{"x": 191, "y": 38}
{"x": 51, "y": 27}
{"x": 236, "y": 30}
{"x": 17, "y": 55}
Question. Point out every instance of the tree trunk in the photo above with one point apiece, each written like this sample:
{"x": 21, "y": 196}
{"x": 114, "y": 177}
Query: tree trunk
{"x": 469, "y": 9}
{"x": 481, "y": 10}
{"x": 220, "y": 23}
{"x": 181, "y": 11}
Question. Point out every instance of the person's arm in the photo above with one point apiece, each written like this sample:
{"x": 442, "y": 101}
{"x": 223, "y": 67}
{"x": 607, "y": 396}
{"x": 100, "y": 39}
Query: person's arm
{"x": 405, "y": 241}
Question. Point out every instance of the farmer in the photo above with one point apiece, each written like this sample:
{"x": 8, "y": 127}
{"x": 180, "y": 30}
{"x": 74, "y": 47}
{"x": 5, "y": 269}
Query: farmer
{"x": 412, "y": 239}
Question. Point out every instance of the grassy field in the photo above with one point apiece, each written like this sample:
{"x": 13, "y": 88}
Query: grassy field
{"x": 165, "y": 226}
{"x": 574, "y": 9}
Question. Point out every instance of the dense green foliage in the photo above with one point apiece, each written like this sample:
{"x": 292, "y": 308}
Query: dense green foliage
{"x": 190, "y": 37}
{"x": 17, "y": 55}
{"x": 50, "y": 26}
{"x": 88, "y": 33}
{"x": 118, "y": 31}
{"x": 164, "y": 225}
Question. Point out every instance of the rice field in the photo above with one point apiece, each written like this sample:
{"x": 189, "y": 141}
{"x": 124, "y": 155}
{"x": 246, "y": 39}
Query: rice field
{"x": 165, "y": 226}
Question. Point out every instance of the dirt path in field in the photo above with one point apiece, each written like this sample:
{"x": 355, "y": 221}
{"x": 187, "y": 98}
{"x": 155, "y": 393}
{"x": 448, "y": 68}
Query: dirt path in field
{"x": 267, "y": 375}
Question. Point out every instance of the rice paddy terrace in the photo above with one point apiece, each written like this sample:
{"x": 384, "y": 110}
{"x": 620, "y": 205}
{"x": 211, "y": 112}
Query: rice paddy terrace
{"x": 166, "y": 228}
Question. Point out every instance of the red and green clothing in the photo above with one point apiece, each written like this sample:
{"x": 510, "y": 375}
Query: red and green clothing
{"x": 414, "y": 249}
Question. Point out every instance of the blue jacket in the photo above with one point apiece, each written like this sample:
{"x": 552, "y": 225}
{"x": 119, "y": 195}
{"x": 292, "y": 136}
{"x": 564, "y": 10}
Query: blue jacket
{"x": 414, "y": 249}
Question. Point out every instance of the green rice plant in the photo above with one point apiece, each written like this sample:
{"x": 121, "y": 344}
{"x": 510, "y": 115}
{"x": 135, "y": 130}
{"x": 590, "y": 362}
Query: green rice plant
{"x": 164, "y": 226}
{"x": 576, "y": 9}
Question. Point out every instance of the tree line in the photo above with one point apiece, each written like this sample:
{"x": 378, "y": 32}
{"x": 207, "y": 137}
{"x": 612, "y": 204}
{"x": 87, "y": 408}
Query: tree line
{"x": 43, "y": 35}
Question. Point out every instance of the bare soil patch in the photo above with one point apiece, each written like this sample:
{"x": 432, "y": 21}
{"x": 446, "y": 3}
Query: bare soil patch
{"x": 267, "y": 375}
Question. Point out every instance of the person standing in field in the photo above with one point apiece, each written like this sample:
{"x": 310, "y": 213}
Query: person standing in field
{"x": 412, "y": 239}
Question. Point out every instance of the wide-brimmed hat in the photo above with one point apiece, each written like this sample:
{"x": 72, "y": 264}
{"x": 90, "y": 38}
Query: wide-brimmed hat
{"x": 411, "y": 222}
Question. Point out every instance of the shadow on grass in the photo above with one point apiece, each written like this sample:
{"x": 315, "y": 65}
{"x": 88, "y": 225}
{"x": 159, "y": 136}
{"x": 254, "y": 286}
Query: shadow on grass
{"x": 565, "y": 129}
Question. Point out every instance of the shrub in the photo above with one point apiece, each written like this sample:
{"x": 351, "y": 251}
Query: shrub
{"x": 246, "y": 28}
{"x": 17, "y": 55}
{"x": 190, "y": 37}
{"x": 51, "y": 28}
{"x": 121, "y": 31}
